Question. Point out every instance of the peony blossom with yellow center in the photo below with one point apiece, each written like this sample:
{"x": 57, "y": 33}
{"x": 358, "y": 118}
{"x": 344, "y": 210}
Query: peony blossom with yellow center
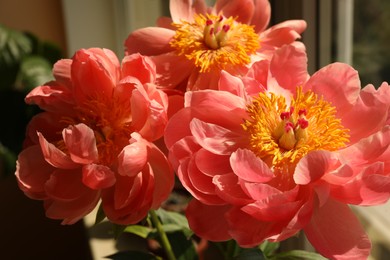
{"x": 192, "y": 47}
{"x": 270, "y": 154}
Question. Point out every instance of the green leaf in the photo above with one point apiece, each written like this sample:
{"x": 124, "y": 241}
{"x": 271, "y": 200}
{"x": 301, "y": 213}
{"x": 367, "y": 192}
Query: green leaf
{"x": 14, "y": 45}
{"x": 298, "y": 255}
{"x": 7, "y": 161}
{"x": 118, "y": 230}
{"x": 34, "y": 71}
{"x": 173, "y": 221}
{"x": 250, "y": 254}
{"x": 139, "y": 230}
{"x": 269, "y": 248}
{"x": 182, "y": 247}
{"x": 129, "y": 255}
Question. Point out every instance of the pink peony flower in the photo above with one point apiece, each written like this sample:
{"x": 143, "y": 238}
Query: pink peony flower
{"x": 94, "y": 139}
{"x": 276, "y": 151}
{"x": 191, "y": 48}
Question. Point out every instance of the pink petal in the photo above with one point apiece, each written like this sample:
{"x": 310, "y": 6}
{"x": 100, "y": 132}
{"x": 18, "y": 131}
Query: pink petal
{"x": 214, "y": 138}
{"x": 65, "y": 185}
{"x": 203, "y": 80}
{"x": 248, "y": 231}
{"x": 232, "y": 84}
{"x": 262, "y": 211}
{"x": 247, "y": 166}
{"x": 261, "y": 15}
{"x": 149, "y": 111}
{"x": 51, "y": 98}
{"x": 49, "y": 124}
{"x": 95, "y": 72}
{"x": 338, "y": 83}
{"x": 132, "y": 159}
{"x": 72, "y": 211}
{"x": 149, "y": 41}
{"x": 81, "y": 143}
{"x": 283, "y": 33}
{"x": 369, "y": 187}
{"x": 345, "y": 239}
{"x": 140, "y": 67}
{"x": 369, "y": 113}
{"x": 96, "y": 176}
{"x": 208, "y": 222}
{"x": 183, "y": 174}
{"x": 212, "y": 164}
{"x": 201, "y": 182}
{"x": 229, "y": 189}
{"x": 32, "y": 172}
{"x": 313, "y": 166}
{"x": 163, "y": 175}
{"x": 62, "y": 72}
{"x": 181, "y": 10}
{"x": 55, "y": 156}
{"x": 242, "y": 9}
{"x": 177, "y": 127}
{"x": 172, "y": 70}
{"x": 289, "y": 67}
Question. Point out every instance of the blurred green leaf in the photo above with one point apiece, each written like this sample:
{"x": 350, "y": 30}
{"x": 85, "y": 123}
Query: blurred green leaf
{"x": 182, "y": 246}
{"x": 14, "y": 46}
{"x": 34, "y": 71}
{"x": 130, "y": 255}
{"x": 7, "y": 161}
{"x": 250, "y": 254}
{"x": 173, "y": 221}
{"x": 269, "y": 248}
{"x": 139, "y": 230}
{"x": 297, "y": 255}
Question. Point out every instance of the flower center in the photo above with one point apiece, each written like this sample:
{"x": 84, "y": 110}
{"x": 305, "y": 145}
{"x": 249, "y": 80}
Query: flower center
{"x": 111, "y": 124}
{"x": 281, "y": 135}
{"x": 215, "y": 42}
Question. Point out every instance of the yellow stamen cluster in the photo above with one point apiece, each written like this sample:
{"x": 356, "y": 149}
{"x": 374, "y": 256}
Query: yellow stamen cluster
{"x": 282, "y": 135}
{"x": 214, "y": 43}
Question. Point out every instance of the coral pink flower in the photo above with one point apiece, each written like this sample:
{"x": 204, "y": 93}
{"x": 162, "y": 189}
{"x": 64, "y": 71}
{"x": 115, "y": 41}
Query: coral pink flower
{"x": 191, "y": 48}
{"x": 277, "y": 151}
{"x": 94, "y": 139}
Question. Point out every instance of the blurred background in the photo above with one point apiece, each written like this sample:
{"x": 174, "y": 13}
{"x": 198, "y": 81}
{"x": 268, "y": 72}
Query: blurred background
{"x": 34, "y": 34}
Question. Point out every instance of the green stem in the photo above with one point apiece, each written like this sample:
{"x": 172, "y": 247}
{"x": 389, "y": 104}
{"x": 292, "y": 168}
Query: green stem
{"x": 163, "y": 236}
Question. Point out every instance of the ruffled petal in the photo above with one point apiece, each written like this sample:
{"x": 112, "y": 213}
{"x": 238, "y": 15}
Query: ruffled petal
{"x": 72, "y": 211}
{"x": 97, "y": 176}
{"x": 132, "y": 159}
{"x": 242, "y": 9}
{"x": 247, "y": 166}
{"x": 65, "y": 185}
{"x": 81, "y": 143}
{"x": 208, "y": 222}
{"x": 32, "y": 172}
{"x": 140, "y": 67}
{"x": 228, "y": 188}
{"x": 369, "y": 114}
{"x": 55, "y": 156}
{"x": 214, "y": 138}
{"x": 313, "y": 166}
{"x": 149, "y": 41}
{"x": 345, "y": 239}
{"x": 95, "y": 73}
{"x": 289, "y": 67}
{"x": 338, "y": 83}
